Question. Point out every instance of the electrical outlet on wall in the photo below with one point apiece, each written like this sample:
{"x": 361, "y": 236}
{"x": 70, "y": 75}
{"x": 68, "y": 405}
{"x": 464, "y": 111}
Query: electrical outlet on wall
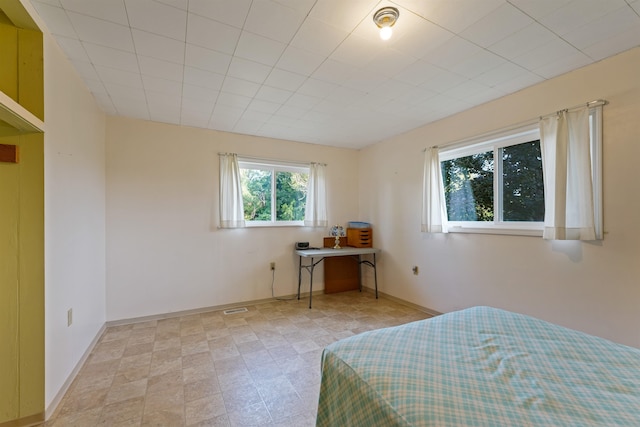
{"x": 69, "y": 317}
{"x": 272, "y": 266}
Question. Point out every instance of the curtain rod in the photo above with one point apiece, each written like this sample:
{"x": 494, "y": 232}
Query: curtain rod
{"x": 265, "y": 159}
{"x": 594, "y": 103}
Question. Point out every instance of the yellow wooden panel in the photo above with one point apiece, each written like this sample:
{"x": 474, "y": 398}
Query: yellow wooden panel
{"x": 30, "y": 72}
{"x": 9, "y": 61}
{"x": 31, "y": 256}
{"x": 9, "y": 337}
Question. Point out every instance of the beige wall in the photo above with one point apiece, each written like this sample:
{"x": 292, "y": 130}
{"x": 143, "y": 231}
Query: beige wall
{"x": 594, "y": 287}
{"x": 164, "y": 250}
{"x": 74, "y": 219}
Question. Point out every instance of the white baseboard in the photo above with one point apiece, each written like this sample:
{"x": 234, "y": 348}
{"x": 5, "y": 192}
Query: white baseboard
{"x": 303, "y": 296}
{"x": 403, "y": 302}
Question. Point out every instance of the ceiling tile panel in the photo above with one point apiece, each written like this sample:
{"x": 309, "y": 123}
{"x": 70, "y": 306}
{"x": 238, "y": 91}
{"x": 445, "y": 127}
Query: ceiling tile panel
{"x": 56, "y": 20}
{"x": 167, "y": 87}
{"x": 206, "y": 59}
{"x": 452, "y": 52}
{"x": 603, "y": 28}
{"x": 299, "y": 61}
{"x": 159, "y": 47}
{"x": 454, "y": 16}
{"x": 545, "y": 54}
{"x": 390, "y": 62}
{"x": 619, "y": 43}
{"x": 259, "y": 49}
{"x": 356, "y": 51}
{"x": 229, "y": 12}
{"x": 520, "y": 82}
{"x": 73, "y": 48}
{"x": 162, "y": 69}
{"x": 563, "y": 64}
{"x": 157, "y": 18}
{"x": 504, "y": 72}
{"x": 578, "y": 13}
{"x": 248, "y": 70}
{"x": 273, "y": 20}
{"x": 528, "y": 38}
{"x": 538, "y": 9}
{"x": 233, "y": 100}
{"x": 119, "y": 77}
{"x": 478, "y": 63}
{"x": 318, "y": 37}
{"x": 113, "y": 10}
{"x": 267, "y": 93}
{"x": 212, "y": 35}
{"x": 240, "y": 87}
{"x": 497, "y": 25}
{"x": 419, "y": 72}
{"x": 87, "y": 71}
{"x": 366, "y": 80}
{"x": 420, "y": 38}
{"x": 179, "y": 4}
{"x": 334, "y": 72}
{"x": 202, "y": 78}
{"x": 104, "y": 33}
{"x": 263, "y": 106}
{"x": 200, "y": 94}
{"x": 113, "y": 58}
{"x": 345, "y": 15}
{"x": 317, "y": 88}
{"x": 286, "y": 80}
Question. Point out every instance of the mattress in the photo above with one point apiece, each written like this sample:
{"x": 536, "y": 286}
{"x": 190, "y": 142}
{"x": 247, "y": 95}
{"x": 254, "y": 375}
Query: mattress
{"x": 479, "y": 367}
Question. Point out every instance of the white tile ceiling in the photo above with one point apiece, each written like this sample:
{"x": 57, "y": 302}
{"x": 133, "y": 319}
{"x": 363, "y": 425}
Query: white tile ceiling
{"x": 316, "y": 70}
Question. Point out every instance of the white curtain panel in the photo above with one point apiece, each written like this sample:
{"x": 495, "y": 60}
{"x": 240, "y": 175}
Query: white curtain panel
{"x": 315, "y": 214}
{"x": 566, "y": 162}
{"x": 231, "y": 206}
{"x": 434, "y": 212}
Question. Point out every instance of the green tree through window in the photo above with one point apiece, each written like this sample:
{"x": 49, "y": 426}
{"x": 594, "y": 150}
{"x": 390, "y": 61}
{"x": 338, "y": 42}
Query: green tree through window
{"x": 273, "y": 193}
{"x": 469, "y": 182}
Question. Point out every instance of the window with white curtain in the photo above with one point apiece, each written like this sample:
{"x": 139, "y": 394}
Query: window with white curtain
{"x": 495, "y": 184}
{"x": 273, "y": 193}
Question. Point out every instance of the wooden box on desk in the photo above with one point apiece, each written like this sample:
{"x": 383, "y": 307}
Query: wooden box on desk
{"x": 340, "y": 272}
{"x": 360, "y": 237}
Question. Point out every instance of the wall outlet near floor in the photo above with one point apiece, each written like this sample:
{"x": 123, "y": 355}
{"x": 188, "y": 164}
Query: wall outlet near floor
{"x": 415, "y": 270}
{"x": 272, "y": 266}
{"x": 69, "y": 317}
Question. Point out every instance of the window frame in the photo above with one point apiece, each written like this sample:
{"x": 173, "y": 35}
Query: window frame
{"x": 521, "y": 134}
{"x": 273, "y": 166}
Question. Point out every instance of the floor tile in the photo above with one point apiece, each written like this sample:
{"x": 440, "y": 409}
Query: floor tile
{"x": 259, "y": 367}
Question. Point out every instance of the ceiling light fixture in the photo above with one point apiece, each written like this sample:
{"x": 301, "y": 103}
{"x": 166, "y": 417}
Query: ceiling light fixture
{"x": 384, "y": 19}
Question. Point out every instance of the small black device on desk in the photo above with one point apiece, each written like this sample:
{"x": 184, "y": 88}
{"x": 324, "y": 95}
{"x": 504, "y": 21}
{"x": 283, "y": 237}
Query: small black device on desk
{"x": 302, "y": 246}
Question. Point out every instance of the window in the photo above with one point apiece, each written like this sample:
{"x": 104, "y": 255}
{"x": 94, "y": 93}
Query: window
{"x": 273, "y": 193}
{"x": 496, "y": 185}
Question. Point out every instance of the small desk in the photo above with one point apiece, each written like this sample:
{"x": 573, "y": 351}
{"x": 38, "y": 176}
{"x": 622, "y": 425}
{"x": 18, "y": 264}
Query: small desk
{"x": 318, "y": 255}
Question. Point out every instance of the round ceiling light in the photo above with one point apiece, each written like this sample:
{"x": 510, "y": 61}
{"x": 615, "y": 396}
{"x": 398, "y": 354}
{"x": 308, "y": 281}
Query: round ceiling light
{"x": 385, "y": 18}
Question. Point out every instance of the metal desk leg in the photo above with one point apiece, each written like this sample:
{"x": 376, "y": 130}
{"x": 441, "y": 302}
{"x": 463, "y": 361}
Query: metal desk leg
{"x": 311, "y": 281}
{"x": 375, "y": 274}
{"x": 360, "y": 272}
{"x": 299, "y": 275}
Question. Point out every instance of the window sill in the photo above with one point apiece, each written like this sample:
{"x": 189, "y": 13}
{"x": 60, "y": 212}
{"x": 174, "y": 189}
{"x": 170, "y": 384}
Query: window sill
{"x": 531, "y": 232}
{"x": 269, "y": 224}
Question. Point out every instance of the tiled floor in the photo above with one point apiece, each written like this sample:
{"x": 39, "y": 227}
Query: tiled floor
{"x": 260, "y": 367}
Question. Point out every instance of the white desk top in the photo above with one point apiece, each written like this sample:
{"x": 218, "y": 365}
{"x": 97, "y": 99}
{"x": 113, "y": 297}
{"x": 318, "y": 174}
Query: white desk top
{"x": 328, "y": 252}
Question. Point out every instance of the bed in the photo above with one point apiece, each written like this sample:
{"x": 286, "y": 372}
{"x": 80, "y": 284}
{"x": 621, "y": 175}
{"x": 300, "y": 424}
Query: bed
{"x": 479, "y": 367}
